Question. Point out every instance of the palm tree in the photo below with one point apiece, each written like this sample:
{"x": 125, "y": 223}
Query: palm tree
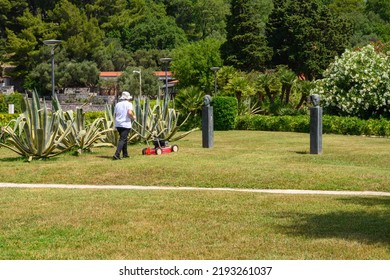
{"x": 270, "y": 83}
{"x": 287, "y": 78}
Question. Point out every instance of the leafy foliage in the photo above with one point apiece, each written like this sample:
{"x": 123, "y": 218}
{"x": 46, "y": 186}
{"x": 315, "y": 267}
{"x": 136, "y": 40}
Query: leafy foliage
{"x": 225, "y": 112}
{"x": 192, "y": 62}
{"x": 245, "y": 47}
{"x": 239, "y": 86}
{"x": 74, "y": 74}
{"x": 116, "y": 34}
{"x": 131, "y": 82}
{"x": 13, "y": 98}
{"x": 199, "y": 19}
{"x": 189, "y": 101}
{"x": 154, "y": 31}
{"x": 357, "y": 84}
{"x": 81, "y": 35}
{"x": 305, "y": 36}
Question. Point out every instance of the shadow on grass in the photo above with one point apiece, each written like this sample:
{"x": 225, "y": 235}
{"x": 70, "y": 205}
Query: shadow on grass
{"x": 12, "y": 159}
{"x": 301, "y": 152}
{"x": 105, "y": 157}
{"x": 367, "y": 226}
{"x": 372, "y": 201}
{"x": 24, "y": 159}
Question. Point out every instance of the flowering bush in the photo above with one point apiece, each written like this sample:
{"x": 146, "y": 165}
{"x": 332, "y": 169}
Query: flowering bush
{"x": 357, "y": 84}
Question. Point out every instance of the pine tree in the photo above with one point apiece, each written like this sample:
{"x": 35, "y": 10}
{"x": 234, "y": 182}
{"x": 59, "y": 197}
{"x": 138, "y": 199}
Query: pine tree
{"x": 246, "y": 48}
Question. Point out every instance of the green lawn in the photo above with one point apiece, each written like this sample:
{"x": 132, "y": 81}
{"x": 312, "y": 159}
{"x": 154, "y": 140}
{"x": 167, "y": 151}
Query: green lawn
{"x": 120, "y": 224}
{"x": 169, "y": 224}
{"x": 240, "y": 159}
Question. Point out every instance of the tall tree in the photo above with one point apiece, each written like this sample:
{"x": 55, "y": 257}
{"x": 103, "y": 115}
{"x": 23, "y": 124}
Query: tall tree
{"x": 82, "y": 35}
{"x": 192, "y": 62}
{"x": 210, "y": 18}
{"x": 363, "y": 21}
{"x": 130, "y": 81}
{"x": 155, "y": 30}
{"x": 245, "y": 47}
{"x": 199, "y": 18}
{"x": 305, "y": 36}
{"x": 378, "y": 12}
{"x": 23, "y": 47}
{"x": 114, "y": 15}
{"x": 380, "y": 7}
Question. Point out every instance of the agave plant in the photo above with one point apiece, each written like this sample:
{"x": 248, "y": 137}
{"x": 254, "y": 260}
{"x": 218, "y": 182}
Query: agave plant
{"x": 36, "y": 134}
{"x": 84, "y": 137}
{"x": 249, "y": 106}
{"x": 160, "y": 121}
{"x": 108, "y": 122}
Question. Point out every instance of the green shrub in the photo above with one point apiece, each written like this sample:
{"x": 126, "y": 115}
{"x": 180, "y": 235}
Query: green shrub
{"x": 91, "y": 116}
{"x": 330, "y": 124}
{"x": 190, "y": 101}
{"x": 6, "y": 118}
{"x": 13, "y": 98}
{"x": 225, "y": 112}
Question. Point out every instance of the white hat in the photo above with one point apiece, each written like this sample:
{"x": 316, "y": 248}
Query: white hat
{"x": 125, "y": 96}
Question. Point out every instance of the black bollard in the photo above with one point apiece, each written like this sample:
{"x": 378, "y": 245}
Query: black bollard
{"x": 207, "y": 123}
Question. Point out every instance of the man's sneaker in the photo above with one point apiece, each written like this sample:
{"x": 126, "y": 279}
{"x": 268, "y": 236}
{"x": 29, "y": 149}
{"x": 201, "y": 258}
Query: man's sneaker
{"x": 125, "y": 157}
{"x": 116, "y": 158}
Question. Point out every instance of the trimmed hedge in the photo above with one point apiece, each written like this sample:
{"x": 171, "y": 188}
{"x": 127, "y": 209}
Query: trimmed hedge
{"x": 91, "y": 116}
{"x": 225, "y": 110}
{"x": 330, "y": 124}
{"x": 300, "y": 123}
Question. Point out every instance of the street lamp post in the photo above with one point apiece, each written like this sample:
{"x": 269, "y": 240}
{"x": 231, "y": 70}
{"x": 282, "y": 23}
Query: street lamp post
{"x": 166, "y": 61}
{"x": 140, "y": 82}
{"x": 215, "y": 70}
{"x": 53, "y": 44}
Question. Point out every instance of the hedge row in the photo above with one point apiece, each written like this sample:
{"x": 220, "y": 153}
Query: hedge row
{"x": 301, "y": 123}
{"x": 225, "y": 111}
{"x": 331, "y": 124}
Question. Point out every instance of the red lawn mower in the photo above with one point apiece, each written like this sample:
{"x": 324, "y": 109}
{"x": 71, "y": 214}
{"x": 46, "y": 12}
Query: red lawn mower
{"x": 161, "y": 146}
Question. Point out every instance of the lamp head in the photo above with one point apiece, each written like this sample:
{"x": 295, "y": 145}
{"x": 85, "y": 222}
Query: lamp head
{"x": 52, "y": 43}
{"x": 165, "y": 59}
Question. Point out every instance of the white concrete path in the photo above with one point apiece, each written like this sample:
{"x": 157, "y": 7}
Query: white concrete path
{"x": 275, "y": 191}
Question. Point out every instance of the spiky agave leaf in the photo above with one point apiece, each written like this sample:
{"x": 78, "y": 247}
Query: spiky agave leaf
{"x": 108, "y": 123}
{"x": 36, "y": 133}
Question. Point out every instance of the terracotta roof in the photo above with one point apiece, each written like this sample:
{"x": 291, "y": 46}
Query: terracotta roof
{"x": 162, "y": 73}
{"x": 110, "y": 74}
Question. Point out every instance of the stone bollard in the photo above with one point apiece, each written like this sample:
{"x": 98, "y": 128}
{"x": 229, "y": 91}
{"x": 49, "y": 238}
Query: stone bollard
{"x": 11, "y": 109}
{"x": 315, "y": 125}
{"x": 207, "y": 123}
